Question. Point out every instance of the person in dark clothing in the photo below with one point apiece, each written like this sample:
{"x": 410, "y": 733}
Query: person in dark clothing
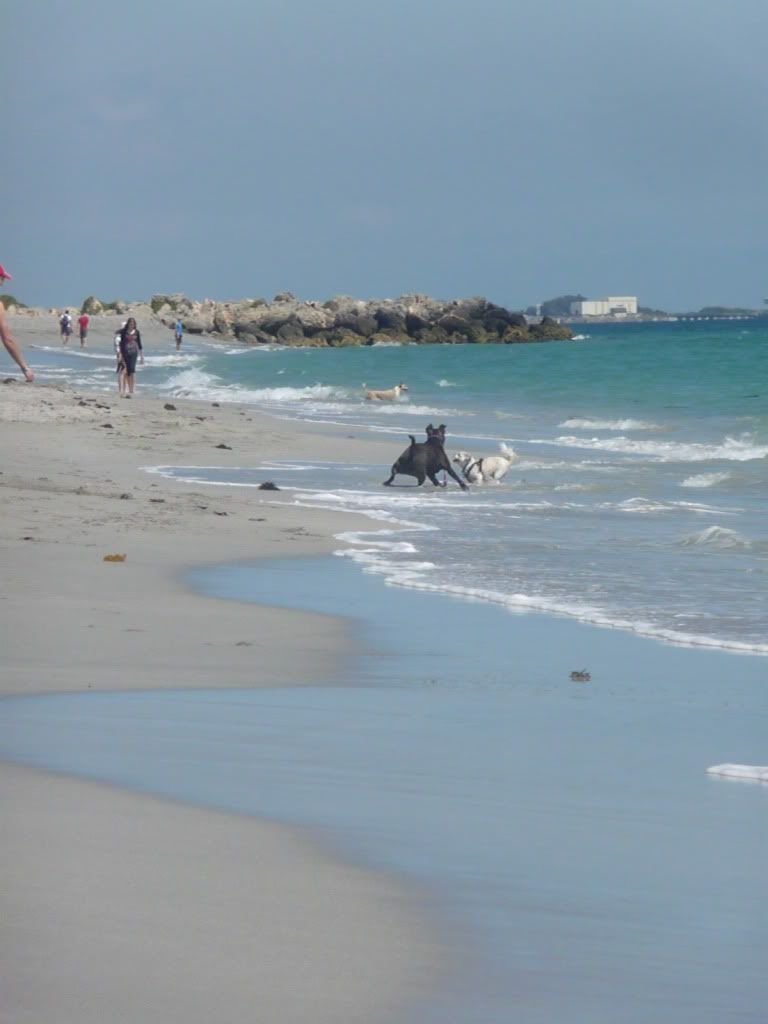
{"x": 130, "y": 351}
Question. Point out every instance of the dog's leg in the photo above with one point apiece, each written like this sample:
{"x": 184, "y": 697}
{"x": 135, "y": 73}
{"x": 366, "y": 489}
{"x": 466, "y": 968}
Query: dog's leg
{"x": 391, "y": 477}
{"x": 460, "y": 482}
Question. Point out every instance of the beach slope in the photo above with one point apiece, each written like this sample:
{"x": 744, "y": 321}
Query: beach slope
{"x": 118, "y": 906}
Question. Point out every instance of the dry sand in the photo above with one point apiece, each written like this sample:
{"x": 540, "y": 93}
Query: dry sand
{"x": 117, "y": 906}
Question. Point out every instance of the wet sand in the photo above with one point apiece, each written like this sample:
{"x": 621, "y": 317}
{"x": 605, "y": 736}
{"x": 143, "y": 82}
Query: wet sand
{"x": 117, "y": 904}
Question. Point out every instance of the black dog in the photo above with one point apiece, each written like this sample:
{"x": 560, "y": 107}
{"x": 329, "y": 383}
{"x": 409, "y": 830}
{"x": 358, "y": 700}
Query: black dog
{"x": 438, "y": 432}
{"x": 424, "y": 459}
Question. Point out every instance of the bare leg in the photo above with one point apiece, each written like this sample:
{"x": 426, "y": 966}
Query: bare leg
{"x": 12, "y": 347}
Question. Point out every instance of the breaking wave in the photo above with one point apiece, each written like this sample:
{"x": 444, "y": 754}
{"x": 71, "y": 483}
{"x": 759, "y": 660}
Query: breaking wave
{"x": 736, "y": 449}
{"x": 705, "y": 479}
{"x": 588, "y": 424}
{"x": 195, "y": 383}
{"x": 716, "y": 537}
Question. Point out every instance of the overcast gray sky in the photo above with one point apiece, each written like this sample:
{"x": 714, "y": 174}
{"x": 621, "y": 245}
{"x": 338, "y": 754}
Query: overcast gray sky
{"x": 513, "y": 149}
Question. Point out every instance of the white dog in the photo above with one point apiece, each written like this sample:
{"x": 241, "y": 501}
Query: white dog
{"x": 490, "y": 467}
{"x": 390, "y": 395}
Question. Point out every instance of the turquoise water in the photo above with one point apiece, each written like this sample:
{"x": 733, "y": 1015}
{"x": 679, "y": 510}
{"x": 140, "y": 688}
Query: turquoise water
{"x": 592, "y": 872}
{"x": 638, "y": 501}
{"x": 586, "y": 867}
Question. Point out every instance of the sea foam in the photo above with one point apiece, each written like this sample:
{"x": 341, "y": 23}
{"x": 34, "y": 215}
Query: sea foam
{"x": 737, "y": 449}
{"x": 590, "y": 424}
{"x": 716, "y": 537}
{"x": 705, "y": 479}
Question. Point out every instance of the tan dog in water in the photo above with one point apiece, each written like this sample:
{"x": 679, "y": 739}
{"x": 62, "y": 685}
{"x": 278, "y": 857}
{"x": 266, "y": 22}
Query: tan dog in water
{"x": 390, "y": 395}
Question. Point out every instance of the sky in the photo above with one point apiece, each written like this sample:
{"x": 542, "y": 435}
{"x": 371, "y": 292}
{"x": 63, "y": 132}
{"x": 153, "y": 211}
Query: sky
{"x": 517, "y": 149}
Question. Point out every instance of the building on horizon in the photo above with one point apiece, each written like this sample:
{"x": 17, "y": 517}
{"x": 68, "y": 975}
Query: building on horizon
{"x": 613, "y": 305}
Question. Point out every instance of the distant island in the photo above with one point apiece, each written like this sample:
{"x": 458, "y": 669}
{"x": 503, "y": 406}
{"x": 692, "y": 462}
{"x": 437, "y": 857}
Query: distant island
{"x": 563, "y": 307}
{"x": 337, "y": 322}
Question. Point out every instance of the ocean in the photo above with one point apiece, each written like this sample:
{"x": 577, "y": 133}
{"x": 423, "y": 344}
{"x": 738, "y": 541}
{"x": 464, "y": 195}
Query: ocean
{"x": 566, "y": 837}
{"x": 638, "y": 499}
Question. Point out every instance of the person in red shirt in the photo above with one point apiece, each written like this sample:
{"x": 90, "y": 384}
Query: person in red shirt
{"x": 83, "y": 320}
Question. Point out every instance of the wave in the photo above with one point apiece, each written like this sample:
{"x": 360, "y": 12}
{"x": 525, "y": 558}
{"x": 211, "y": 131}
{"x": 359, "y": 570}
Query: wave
{"x": 589, "y": 424}
{"x": 196, "y": 383}
{"x": 736, "y": 449}
{"x": 717, "y": 537}
{"x": 409, "y": 409}
{"x": 446, "y": 383}
{"x": 416, "y": 576}
{"x": 658, "y": 505}
{"x": 580, "y": 337}
{"x": 185, "y": 359}
{"x": 705, "y": 479}
{"x": 78, "y": 353}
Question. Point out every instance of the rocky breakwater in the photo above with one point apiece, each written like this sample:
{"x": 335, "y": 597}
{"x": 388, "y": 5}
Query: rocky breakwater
{"x": 343, "y": 320}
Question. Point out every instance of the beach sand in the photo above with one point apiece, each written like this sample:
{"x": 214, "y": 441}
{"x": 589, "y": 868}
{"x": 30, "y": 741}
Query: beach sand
{"x": 117, "y": 905}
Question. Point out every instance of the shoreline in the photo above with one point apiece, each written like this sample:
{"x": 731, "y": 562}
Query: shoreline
{"x": 73, "y": 622}
{"x": 626, "y": 686}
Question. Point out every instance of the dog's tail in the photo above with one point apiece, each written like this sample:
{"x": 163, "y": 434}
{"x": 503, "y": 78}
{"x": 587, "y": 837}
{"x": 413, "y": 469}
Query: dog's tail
{"x": 509, "y": 453}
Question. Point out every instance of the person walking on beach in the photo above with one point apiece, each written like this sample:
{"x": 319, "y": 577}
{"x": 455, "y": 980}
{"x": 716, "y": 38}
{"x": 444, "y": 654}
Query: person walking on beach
{"x": 8, "y": 339}
{"x": 120, "y": 367}
{"x": 178, "y": 331}
{"x": 83, "y": 320}
{"x": 130, "y": 351}
{"x": 65, "y": 325}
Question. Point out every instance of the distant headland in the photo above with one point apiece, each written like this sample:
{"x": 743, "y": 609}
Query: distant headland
{"x": 336, "y": 322}
{"x": 578, "y": 309}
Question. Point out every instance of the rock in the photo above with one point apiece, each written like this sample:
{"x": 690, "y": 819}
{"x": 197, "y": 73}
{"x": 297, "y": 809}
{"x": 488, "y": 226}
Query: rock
{"x": 197, "y": 324}
{"x": 391, "y": 320}
{"x": 284, "y": 297}
{"x": 222, "y": 320}
{"x": 453, "y": 324}
{"x": 227, "y": 447}
{"x": 290, "y": 332}
{"x": 548, "y": 330}
{"x": 344, "y": 337}
{"x": 92, "y": 306}
{"x": 415, "y": 323}
{"x": 313, "y": 318}
{"x": 267, "y": 486}
{"x": 359, "y": 323}
{"x": 254, "y": 337}
{"x": 170, "y": 407}
{"x": 433, "y": 336}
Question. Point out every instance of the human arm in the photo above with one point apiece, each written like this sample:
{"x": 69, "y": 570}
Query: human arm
{"x": 141, "y": 350}
{"x": 12, "y": 347}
